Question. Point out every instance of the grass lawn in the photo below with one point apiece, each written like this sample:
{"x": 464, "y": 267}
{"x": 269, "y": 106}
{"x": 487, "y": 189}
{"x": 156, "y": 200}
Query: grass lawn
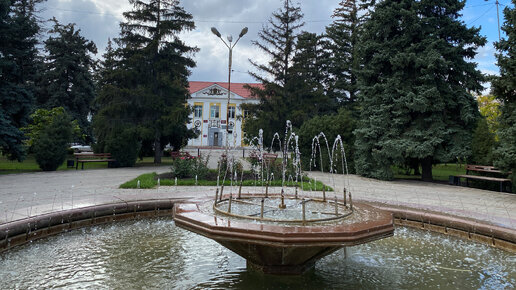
{"x": 440, "y": 172}
{"x": 29, "y": 164}
{"x": 149, "y": 180}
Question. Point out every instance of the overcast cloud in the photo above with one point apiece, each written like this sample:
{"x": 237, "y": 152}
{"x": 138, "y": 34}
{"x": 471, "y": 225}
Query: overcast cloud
{"x": 99, "y": 19}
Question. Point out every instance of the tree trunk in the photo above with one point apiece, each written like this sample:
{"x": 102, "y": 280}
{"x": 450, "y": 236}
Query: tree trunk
{"x": 414, "y": 164}
{"x": 157, "y": 149}
{"x": 426, "y": 166}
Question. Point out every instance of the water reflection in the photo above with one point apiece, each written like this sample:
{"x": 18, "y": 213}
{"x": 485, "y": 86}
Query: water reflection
{"x": 156, "y": 254}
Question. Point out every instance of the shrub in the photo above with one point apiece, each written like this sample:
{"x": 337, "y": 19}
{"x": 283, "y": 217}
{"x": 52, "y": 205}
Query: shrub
{"x": 51, "y": 144}
{"x": 482, "y": 144}
{"x": 190, "y": 167}
{"x": 182, "y": 167}
{"x": 341, "y": 124}
{"x": 124, "y": 147}
{"x": 223, "y": 164}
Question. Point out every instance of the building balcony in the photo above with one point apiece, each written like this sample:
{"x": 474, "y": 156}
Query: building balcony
{"x": 214, "y": 123}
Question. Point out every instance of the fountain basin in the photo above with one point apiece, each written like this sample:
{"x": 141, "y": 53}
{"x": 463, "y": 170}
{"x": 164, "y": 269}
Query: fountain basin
{"x": 283, "y": 248}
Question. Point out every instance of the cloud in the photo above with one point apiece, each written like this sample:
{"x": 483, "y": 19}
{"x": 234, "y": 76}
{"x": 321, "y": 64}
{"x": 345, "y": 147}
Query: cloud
{"x": 99, "y": 20}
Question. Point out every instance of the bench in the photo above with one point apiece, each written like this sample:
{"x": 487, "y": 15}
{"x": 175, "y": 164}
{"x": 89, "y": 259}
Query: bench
{"x": 483, "y": 169}
{"x": 92, "y": 157}
{"x": 265, "y": 156}
{"x": 181, "y": 154}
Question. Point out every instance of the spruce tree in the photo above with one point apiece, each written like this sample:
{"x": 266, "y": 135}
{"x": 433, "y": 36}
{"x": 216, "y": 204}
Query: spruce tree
{"x": 415, "y": 86}
{"x": 19, "y": 29}
{"x": 309, "y": 77}
{"x": 278, "y": 42}
{"x": 151, "y": 79}
{"x": 341, "y": 42}
{"x": 68, "y": 79}
{"x": 504, "y": 87}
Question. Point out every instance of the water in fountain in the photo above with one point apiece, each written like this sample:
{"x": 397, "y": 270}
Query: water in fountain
{"x": 157, "y": 254}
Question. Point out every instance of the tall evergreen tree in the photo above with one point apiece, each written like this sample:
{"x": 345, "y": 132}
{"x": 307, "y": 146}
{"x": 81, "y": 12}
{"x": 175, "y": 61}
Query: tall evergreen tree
{"x": 68, "y": 78}
{"x": 278, "y": 42}
{"x": 504, "y": 87}
{"x": 415, "y": 86}
{"x": 18, "y": 61}
{"x": 343, "y": 62}
{"x": 309, "y": 77}
{"x": 151, "y": 77}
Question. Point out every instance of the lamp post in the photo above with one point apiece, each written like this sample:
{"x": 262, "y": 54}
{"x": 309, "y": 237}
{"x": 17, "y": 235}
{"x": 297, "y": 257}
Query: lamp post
{"x": 230, "y": 47}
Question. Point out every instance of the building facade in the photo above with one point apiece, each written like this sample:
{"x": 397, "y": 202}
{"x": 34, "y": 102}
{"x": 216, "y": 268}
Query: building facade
{"x": 209, "y": 101}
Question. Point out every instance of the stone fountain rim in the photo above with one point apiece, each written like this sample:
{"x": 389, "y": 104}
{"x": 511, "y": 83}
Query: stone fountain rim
{"x": 188, "y": 215}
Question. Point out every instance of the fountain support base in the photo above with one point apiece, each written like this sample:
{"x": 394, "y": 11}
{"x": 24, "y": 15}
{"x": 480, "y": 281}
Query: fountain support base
{"x": 283, "y": 249}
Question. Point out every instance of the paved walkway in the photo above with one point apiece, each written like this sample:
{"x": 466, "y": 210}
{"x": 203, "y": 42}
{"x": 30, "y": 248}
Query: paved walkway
{"x": 30, "y": 194}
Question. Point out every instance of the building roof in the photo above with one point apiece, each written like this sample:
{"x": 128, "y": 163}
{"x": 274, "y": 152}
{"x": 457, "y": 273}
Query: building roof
{"x": 237, "y": 88}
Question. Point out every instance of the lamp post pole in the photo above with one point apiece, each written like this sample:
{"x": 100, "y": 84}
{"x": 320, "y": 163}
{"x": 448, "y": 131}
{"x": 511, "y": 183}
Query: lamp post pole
{"x": 230, "y": 47}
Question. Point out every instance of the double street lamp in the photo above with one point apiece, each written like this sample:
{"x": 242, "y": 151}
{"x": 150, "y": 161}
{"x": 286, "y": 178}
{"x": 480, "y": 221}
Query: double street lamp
{"x": 230, "y": 47}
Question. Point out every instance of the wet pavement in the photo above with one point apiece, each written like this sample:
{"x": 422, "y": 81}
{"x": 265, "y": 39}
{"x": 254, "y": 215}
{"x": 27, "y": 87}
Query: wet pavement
{"x": 30, "y": 194}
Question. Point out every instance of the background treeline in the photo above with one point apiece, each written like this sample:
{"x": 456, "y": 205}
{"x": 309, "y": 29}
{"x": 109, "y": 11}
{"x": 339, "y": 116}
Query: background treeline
{"x": 53, "y": 92}
{"x": 399, "y": 93}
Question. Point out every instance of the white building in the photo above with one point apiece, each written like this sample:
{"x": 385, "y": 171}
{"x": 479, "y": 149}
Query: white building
{"x": 209, "y": 101}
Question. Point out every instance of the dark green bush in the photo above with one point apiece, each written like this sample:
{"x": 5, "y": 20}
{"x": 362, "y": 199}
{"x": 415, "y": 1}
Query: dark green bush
{"x": 341, "y": 124}
{"x": 51, "y": 144}
{"x": 124, "y": 147}
{"x": 482, "y": 144}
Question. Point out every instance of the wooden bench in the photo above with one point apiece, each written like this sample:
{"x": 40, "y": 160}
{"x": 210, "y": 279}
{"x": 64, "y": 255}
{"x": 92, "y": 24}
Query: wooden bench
{"x": 483, "y": 169}
{"x": 181, "y": 154}
{"x": 92, "y": 157}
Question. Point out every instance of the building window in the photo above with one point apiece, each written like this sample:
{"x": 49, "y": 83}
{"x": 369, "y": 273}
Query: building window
{"x": 215, "y": 111}
{"x": 246, "y": 114}
{"x": 198, "y": 111}
{"x": 232, "y": 111}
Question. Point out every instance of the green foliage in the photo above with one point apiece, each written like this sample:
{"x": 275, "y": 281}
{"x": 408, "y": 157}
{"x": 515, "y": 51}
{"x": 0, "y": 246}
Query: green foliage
{"x": 307, "y": 81}
{"x": 190, "y": 167}
{"x": 67, "y": 80}
{"x": 504, "y": 87}
{"x": 277, "y": 41}
{"x": 18, "y": 67}
{"x": 342, "y": 41}
{"x": 415, "y": 86}
{"x": 144, "y": 81}
{"x": 482, "y": 144}
{"x": 149, "y": 180}
{"x": 51, "y": 143}
{"x": 123, "y": 146}
{"x": 489, "y": 108}
{"x": 227, "y": 167}
{"x": 40, "y": 119}
{"x": 332, "y": 126}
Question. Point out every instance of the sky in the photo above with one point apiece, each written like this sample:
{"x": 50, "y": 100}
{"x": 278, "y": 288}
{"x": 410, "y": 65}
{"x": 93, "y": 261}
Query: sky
{"x": 99, "y": 20}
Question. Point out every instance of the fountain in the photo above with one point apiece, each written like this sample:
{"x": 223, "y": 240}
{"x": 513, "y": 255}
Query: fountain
{"x": 284, "y": 234}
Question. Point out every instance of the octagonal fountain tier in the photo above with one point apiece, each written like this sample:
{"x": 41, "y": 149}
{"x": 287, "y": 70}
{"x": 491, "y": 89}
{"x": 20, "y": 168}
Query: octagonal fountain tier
{"x": 283, "y": 235}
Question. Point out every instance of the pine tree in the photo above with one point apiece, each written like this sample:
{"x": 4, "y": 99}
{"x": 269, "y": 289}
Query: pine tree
{"x": 18, "y": 39}
{"x": 307, "y": 85}
{"x": 415, "y": 86}
{"x": 149, "y": 89}
{"x": 504, "y": 87}
{"x": 68, "y": 79}
{"x": 343, "y": 63}
{"x": 278, "y": 42}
